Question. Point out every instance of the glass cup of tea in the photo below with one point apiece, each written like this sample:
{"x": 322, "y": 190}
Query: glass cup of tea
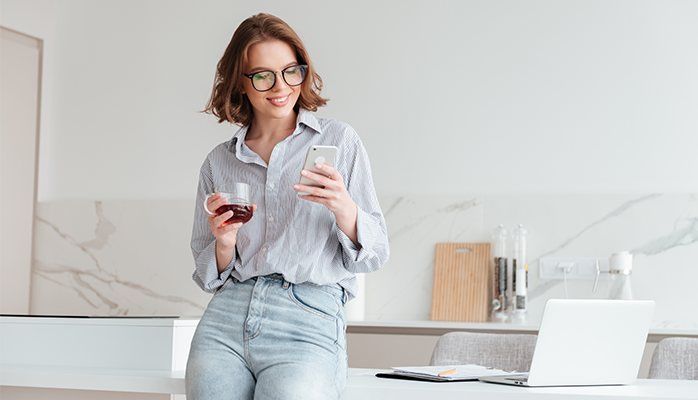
{"x": 238, "y": 200}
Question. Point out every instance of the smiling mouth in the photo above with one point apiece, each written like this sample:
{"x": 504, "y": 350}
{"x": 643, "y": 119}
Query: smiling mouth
{"x": 280, "y": 100}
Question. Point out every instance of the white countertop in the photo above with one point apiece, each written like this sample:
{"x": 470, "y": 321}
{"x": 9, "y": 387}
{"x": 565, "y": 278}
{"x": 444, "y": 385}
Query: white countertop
{"x": 166, "y": 321}
{"x": 445, "y": 325}
{"x": 422, "y": 327}
{"x": 352, "y": 325}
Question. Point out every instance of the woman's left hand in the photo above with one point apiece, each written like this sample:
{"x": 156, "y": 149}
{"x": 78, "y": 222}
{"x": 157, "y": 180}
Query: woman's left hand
{"x": 334, "y": 196}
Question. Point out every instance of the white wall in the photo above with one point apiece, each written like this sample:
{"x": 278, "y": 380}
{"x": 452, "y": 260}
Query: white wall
{"x": 554, "y": 97}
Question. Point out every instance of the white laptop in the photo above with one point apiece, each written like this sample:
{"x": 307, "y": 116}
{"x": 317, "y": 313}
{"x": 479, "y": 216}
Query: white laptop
{"x": 587, "y": 342}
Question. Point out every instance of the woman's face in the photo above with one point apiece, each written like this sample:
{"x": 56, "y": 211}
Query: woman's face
{"x": 278, "y": 102}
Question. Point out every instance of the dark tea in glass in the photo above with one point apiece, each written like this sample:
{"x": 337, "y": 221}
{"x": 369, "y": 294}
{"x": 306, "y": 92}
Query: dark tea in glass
{"x": 238, "y": 199}
{"x": 241, "y": 213}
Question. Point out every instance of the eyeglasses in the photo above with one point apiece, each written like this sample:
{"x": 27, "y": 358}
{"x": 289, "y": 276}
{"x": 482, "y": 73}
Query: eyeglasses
{"x": 265, "y": 80}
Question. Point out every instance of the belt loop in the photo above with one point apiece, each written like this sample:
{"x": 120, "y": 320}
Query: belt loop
{"x": 286, "y": 284}
{"x": 346, "y": 296}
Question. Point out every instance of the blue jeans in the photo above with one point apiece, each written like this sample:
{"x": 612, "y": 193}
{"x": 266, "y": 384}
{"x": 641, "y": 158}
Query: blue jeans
{"x": 266, "y": 338}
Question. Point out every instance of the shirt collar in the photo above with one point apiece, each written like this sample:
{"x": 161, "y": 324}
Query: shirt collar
{"x": 238, "y": 139}
{"x": 305, "y": 118}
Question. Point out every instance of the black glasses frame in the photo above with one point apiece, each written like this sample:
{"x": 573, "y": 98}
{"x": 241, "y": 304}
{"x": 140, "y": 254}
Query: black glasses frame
{"x": 283, "y": 76}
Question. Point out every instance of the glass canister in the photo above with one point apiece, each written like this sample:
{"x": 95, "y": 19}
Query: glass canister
{"x": 519, "y": 274}
{"x": 499, "y": 274}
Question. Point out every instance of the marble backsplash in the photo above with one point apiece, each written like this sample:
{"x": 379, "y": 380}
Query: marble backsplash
{"x": 133, "y": 257}
{"x": 114, "y": 258}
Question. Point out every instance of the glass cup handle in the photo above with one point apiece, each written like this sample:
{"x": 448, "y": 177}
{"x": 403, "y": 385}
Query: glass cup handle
{"x": 206, "y": 205}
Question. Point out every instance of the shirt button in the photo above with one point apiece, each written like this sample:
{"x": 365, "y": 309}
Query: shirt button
{"x": 271, "y": 219}
{"x": 271, "y": 185}
{"x": 264, "y": 249}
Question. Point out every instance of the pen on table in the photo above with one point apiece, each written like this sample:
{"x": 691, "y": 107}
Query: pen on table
{"x": 447, "y": 372}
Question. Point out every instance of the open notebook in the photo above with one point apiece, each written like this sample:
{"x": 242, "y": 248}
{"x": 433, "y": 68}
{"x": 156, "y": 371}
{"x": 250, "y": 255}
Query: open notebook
{"x": 443, "y": 373}
{"x": 587, "y": 342}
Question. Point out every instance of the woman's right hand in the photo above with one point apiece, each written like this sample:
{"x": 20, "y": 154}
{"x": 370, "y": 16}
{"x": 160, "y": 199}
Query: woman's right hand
{"x": 225, "y": 234}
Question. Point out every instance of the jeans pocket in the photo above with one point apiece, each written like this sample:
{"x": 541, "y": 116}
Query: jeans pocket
{"x": 315, "y": 300}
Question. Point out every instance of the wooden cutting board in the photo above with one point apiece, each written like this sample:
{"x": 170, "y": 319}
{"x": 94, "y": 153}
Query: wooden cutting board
{"x": 461, "y": 282}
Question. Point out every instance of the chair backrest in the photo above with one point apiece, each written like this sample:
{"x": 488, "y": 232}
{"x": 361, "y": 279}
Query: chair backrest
{"x": 512, "y": 352}
{"x": 675, "y": 358}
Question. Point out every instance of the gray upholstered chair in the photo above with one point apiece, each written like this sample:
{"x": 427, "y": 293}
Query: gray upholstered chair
{"x": 498, "y": 350}
{"x": 675, "y": 358}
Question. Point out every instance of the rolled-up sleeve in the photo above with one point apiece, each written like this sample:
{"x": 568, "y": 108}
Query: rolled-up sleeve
{"x": 372, "y": 234}
{"x": 203, "y": 243}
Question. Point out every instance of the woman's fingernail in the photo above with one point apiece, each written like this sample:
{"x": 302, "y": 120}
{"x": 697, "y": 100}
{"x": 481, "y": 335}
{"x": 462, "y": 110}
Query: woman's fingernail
{"x": 296, "y": 187}
{"x": 318, "y": 166}
{"x": 304, "y": 173}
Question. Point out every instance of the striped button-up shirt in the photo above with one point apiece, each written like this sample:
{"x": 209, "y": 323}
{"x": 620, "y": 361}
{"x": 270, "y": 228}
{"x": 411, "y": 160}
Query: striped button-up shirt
{"x": 288, "y": 235}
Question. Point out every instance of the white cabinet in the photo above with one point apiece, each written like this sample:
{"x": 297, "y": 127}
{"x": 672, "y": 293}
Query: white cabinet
{"x": 136, "y": 356}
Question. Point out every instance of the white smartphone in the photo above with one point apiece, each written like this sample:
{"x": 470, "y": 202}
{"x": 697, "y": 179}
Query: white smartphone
{"x": 317, "y": 155}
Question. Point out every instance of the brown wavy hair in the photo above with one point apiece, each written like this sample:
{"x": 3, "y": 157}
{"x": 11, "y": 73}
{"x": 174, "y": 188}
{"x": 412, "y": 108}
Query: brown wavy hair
{"x": 227, "y": 101}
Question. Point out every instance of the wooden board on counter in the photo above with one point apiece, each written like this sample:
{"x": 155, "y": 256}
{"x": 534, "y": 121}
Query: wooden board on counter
{"x": 461, "y": 282}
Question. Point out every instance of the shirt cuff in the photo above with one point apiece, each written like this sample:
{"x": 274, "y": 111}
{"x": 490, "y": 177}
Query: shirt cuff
{"x": 206, "y": 274}
{"x": 364, "y": 235}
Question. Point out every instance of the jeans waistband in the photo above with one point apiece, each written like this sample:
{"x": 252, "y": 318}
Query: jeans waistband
{"x": 333, "y": 287}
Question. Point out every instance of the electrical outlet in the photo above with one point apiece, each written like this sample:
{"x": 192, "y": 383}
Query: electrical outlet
{"x": 576, "y": 267}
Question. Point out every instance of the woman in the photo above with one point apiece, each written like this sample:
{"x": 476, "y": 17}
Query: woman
{"x": 275, "y": 327}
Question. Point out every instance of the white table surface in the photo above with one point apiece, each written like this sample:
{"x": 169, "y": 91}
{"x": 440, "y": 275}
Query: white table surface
{"x": 361, "y": 385}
